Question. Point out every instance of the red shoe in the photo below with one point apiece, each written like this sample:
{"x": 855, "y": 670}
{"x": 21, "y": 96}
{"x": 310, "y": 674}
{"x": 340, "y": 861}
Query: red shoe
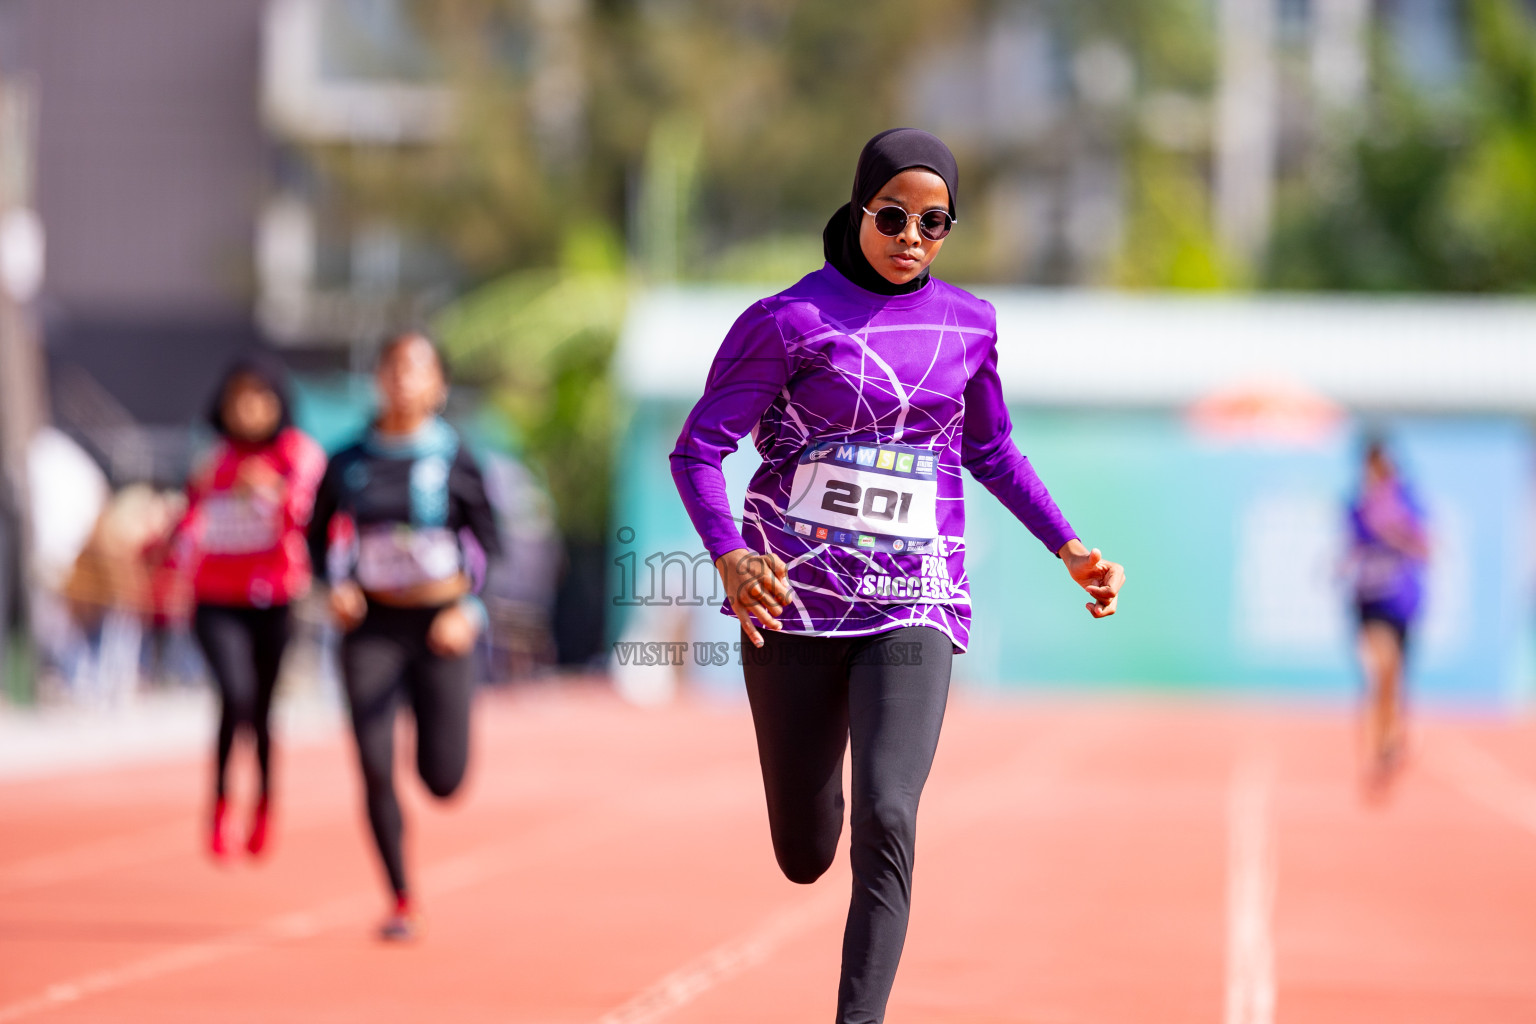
{"x": 402, "y": 925}
{"x": 216, "y": 841}
{"x": 257, "y": 840}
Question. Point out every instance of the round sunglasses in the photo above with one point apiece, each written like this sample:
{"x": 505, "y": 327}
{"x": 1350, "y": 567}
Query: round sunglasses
{"x": 892, "y": 221}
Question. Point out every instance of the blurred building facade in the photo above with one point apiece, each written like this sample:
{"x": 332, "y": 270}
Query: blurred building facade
{"x": 166, "y": 191}
{"x": 180, "y": 197}
{"x": 187, "y": 213}
{"x": 150, "y": 167}
{"x": 145, "y": 162}
{"x": 344, "y": 76}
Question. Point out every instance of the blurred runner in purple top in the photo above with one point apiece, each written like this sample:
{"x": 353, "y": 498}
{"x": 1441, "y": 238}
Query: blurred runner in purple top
{"x": 868, "y": 388}
{"x": 1389, "y": 551}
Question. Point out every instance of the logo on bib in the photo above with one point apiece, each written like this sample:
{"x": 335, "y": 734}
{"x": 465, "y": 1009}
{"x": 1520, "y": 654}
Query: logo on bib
{"x": 873, "y": 497}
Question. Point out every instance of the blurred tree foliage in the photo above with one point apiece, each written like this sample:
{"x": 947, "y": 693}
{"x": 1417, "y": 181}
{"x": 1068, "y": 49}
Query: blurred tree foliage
{"x": 1162, "y": 141}
{"x": 575, "y": 113}
{"x": 542, "y": 341}
{"x": 598, "y": 143}
{"x": 1437, "y": 192}
{"x": 592, "y": 141}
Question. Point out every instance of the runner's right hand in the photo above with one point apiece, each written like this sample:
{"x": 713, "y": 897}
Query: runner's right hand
{"x": 348, "y": 605}
{"x": 453, "y": 632}
{"x": 256, "y": 477}
{"x": 1101, "y": 578}
{"x": 757, "y": 585}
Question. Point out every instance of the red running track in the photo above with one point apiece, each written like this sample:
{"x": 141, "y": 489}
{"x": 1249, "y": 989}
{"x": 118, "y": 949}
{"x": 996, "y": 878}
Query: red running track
{"x": 1109, "y": 860}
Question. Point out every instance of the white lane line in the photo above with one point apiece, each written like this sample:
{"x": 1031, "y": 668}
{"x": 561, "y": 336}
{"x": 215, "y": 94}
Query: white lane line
{"x": 1038, "y": 770}
{"x": 1484, "y": 778}
{"x": 287, "y": 927}
{"x": 728, "y": 960}
{"x": 456, "y": 873}
{"x": 555, "y": 840}
{"x": 1251, "y": 874}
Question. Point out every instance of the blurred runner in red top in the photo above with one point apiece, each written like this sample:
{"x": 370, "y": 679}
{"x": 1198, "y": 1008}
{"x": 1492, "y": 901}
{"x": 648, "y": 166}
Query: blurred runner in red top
{"x": 247, "y": 508}
{"x": 248, "y": 505}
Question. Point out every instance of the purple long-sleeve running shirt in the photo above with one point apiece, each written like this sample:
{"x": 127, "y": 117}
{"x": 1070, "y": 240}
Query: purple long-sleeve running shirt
{"x": 865, "y": 408}
{"x": 1387, "y": 578}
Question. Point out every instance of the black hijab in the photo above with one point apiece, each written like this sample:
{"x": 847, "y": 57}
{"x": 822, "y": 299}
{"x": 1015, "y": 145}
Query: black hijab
{"x": 884, "y": 156}
{"x": 268, "y": 369}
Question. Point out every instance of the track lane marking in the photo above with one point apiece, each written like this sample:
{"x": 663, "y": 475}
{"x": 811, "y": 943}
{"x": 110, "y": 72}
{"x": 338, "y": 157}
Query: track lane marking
{"x": 1251, "y": 876}
{"x": 727, "y": 960}
{"x": 286, "y": 927}
{"x": 1042, "y": 765}
{"x": 556, "y": 839}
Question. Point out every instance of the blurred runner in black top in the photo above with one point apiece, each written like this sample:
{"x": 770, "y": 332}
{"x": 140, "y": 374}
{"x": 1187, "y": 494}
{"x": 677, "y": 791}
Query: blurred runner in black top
{"x": 406, "y": 536}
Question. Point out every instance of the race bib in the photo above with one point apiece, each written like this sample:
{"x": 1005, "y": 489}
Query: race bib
{"x": 874, "y": 497}
{"x": 235, "y": 524}
{"x": 398, "y": 557}
{"x": 1379, "y": 573}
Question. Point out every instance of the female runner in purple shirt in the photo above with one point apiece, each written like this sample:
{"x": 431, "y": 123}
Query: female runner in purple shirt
{"x": 1389, "y": 552}
{"x": 867, "y": 387}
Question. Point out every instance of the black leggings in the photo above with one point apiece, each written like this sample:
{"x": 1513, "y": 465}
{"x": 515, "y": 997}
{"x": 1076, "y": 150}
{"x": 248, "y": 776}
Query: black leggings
{"x": 382, "y": 660}
{"x": 810, "y": 696}
{"x": 244, "y": 648}
{"x": 1372, "y": 611}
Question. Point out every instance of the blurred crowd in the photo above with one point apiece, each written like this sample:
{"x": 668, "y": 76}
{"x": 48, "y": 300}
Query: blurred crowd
{"x": 112, "y": 612}
{"x": 118, "y": 612}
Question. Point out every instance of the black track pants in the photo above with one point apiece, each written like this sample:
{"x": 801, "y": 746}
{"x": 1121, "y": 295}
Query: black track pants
{"x": 386, "y": 660}
{"x": 810, "y": 697}
{"x": 244, "y": 648}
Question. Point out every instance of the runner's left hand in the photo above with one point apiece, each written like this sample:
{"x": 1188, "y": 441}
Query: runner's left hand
{"x": 348, "y": 605}
{"x": 1100, "y": 578}
{"x": 758, "y": 585}
{"x": 453, "y": 632}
